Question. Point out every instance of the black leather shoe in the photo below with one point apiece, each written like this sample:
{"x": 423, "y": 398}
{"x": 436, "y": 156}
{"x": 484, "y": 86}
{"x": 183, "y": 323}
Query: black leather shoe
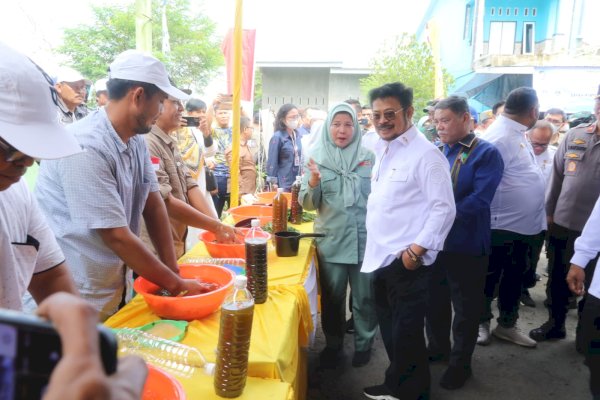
{"x": 455, "y": 377}
{"x": 547, "y": 331}
{"x": 361, "y": 358}
{"x": 526, "y": 299}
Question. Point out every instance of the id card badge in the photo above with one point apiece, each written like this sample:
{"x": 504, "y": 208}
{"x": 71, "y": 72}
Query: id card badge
{"x": 296, "y": 160}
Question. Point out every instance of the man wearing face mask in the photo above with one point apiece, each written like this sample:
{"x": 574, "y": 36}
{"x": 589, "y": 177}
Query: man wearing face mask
{"x": 558, "y": 119}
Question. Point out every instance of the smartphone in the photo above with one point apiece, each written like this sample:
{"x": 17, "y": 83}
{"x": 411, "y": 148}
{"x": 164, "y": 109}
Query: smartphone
{"x": 192, "y": 121}
{"x": 30, "y": 348}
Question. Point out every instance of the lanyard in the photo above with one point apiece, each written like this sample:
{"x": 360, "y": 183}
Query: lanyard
{"x": 296, "y": 157}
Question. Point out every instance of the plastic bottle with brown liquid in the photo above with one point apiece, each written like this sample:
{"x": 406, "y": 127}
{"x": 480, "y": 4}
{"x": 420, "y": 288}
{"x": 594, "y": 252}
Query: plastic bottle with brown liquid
{"x": 295, "y": 207}
{"x": 256, "y": 262}
{"x": 234, "y": 341}
{"x": 280, "y": 208}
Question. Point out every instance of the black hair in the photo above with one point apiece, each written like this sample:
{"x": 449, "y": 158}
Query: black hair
{"x": 458, "y": 105}
{"x": 396, "y": 90}
{"x": 118, "y": 88}
{"x": 244, "y": 122}
{"x": 280, "y": 118}
{"x": 497, "y": 106}
{"x": 195, "y": 105}
{"x": 557, "y": 111}
{"x": 520, "y": 101}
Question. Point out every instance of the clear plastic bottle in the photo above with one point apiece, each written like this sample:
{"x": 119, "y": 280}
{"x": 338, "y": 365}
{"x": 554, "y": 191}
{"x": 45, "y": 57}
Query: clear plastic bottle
{"x": 234, "y": 340}
{"x": 256, "y": 262}
{"x": 177, "y": 358}
{"x": 279, "y": 212}
{"x": 295, "y": 207}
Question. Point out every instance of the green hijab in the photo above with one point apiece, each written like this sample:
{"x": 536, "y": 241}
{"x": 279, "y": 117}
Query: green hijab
{"x": 341, "y": 161}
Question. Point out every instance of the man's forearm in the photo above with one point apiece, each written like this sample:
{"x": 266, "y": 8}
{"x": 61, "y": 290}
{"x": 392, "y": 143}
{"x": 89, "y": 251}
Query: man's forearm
{"x": 138, "y": 257}
{"x": 185, "y": 213}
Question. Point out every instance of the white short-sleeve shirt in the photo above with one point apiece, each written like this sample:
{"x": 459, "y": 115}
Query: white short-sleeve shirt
{"x": 27, "y": 245}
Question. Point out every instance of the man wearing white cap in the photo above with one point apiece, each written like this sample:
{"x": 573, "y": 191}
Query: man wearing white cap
{"x": 30, "y": 258}
{"x": 101, "y": 92}
{"x": 96, "y": 200}
{"x": 71, "y": 87}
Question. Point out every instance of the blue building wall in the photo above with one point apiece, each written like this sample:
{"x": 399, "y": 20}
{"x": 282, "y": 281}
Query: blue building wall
{"x": 456, "y": 48}
{"x": 545, "y": 19}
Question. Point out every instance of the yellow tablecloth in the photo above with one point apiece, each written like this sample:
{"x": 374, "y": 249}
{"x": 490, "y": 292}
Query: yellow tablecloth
{"x": 280, "y": 330}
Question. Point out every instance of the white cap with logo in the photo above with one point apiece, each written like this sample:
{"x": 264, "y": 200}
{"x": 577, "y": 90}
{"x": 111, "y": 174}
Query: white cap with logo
{"x": 28, "y": 119}
{"x": 134, "y": 65}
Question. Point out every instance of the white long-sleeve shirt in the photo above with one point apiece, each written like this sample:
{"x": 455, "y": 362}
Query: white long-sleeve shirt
{"x": 587, "y": 247}
{"x": 411, "y": 200}
{"x": 518, "y": 205}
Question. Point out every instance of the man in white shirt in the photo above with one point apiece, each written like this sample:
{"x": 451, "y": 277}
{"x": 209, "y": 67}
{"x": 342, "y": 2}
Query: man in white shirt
{"x": 409, "y": 214}
{"x": 581, "y": 279}
{"x": 517, "y": 215}
{"x": 30, "y": 258}
{"x": 539, "y": 137}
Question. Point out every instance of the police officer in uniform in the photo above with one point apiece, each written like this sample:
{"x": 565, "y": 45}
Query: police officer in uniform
{"x": 574, "y": 189}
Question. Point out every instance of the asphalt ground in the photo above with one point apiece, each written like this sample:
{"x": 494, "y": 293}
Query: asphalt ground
{"x": 501, "y": 371}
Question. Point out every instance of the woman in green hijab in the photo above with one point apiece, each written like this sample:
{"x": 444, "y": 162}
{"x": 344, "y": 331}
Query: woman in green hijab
{"x": 337, "y": 183}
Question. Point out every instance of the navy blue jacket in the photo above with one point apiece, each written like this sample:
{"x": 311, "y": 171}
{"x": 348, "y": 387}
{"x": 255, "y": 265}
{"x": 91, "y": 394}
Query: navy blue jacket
{"x": 474, "y": 188}
{"x": 280, "y": 160}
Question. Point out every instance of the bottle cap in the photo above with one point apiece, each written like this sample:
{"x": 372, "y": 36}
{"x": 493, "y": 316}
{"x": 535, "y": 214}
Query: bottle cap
{"x": 255, "y": 223}
{"x": 279, "y": 190}
{"x": 240, "y": 282}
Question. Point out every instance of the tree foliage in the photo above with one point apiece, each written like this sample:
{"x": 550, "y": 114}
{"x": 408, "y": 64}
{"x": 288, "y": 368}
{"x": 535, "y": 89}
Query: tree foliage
{"x": 406, "y": 60}
{"x": 195, "y": 51}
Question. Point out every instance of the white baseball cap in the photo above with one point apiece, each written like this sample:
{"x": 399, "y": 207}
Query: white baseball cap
{"x": 100, "y": 85}
{"x": 28, "y": 116}
{"x": 68, "y": 74}
{"x": 135, "y": 65}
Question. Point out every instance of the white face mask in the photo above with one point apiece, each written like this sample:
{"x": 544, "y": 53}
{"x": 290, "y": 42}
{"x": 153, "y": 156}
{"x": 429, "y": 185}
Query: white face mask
{"x": 292, "y": 124}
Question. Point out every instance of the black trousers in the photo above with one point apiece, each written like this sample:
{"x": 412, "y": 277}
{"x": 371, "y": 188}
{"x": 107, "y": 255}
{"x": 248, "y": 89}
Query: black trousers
{"x": 508, "y": 262}
{"x": 223, "y": 196}
{"x": 400, "y": 301}
{"x": 535, "y": 249}
{"x": 562, "y": 242}
{"x": 590, "y": 329}
{"x": 457, "y": 281}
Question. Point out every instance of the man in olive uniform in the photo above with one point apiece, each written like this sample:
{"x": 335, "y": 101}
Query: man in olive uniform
{"x": 574, "y": 189}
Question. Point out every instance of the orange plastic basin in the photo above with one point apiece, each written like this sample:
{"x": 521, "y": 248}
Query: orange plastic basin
{"x": 263, "y": 213}
{"x": 188, "y": 307}
{"x": 267, "y": 197}
{"x": 224, "y": 250}
{"x": 160, "y": 386}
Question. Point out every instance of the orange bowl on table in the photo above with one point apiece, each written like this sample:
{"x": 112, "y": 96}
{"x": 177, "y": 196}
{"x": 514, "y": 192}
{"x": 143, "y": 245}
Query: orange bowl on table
{"x": 263, "y": 213}
{"x": 160, "y": 385}
{"x": 267, "y": 197}
{"x": 188, "y": 307}
{"x": 225, "y": 250}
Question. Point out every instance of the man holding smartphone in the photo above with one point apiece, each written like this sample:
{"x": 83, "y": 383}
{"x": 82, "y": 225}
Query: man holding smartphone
{"x": 30, "y": 258}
